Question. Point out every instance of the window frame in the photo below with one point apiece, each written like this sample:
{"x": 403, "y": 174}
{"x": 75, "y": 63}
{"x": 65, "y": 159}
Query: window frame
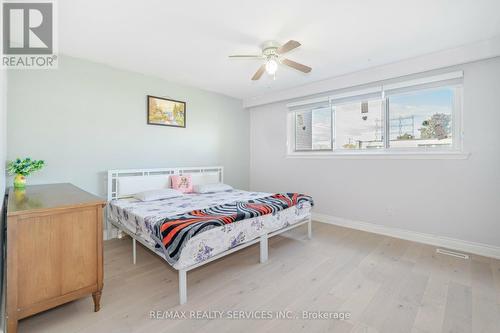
{"x": 383, "y": 115}
{"x": 454, "y": 152}
{"x": 456, "y": 116}
{"x": 295, "y": 150}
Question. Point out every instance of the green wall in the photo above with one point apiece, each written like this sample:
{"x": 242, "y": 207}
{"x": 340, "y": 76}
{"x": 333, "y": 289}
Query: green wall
{"x": 85, "y": 118}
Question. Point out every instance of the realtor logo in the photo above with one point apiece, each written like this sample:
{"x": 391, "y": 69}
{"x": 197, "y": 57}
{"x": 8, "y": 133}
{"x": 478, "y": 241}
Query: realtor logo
{"x": 28, "y": 35}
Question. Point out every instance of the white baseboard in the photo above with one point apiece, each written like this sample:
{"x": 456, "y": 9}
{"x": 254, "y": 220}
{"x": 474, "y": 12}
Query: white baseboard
{"x": 449, "y": 243}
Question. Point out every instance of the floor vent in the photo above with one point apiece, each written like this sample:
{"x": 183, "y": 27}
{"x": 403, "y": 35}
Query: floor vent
{"x": 452, "y": 253}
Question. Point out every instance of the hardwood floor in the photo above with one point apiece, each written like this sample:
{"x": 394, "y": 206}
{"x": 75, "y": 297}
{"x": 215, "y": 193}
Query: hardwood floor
{"x": 386, "y": 284}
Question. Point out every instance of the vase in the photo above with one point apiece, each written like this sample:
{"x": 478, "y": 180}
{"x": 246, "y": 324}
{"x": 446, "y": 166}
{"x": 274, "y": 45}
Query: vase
{"x": 19, "y": 181}
{"x": 20, "y": 195}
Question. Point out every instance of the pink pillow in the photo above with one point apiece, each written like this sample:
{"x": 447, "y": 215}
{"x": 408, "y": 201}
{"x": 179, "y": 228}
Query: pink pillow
{"x": 182, "y": 183}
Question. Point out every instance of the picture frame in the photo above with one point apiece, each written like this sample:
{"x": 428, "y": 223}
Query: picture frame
{"x": 165, "y": 112}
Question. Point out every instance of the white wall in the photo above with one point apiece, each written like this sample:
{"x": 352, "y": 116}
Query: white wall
{"x": 451, "y": 198}
{"x": 3, "y": 152}
{"x": 85, "y": 118}
{"x": 3, "y": 132}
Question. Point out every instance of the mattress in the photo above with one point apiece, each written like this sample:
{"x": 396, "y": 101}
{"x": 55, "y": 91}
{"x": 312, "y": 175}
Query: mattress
{"x": 138, "y": 217}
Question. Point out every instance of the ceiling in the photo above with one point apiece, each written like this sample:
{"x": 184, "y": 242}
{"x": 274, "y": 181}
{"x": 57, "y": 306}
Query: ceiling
{"x": 188, "y": 41}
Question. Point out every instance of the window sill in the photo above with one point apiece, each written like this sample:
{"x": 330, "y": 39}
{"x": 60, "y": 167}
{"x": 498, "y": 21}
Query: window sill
{"x": 383, "y": 155}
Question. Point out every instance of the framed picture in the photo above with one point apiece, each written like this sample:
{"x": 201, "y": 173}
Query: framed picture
{"x": 166, "y": 112}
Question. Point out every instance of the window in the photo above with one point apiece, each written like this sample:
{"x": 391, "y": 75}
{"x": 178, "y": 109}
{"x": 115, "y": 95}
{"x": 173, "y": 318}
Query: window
{"x": 421, "y": 119}
{"x": 359, "y": 125}
{"x": 313, "y": 129}
{"x": 417, "y": 116}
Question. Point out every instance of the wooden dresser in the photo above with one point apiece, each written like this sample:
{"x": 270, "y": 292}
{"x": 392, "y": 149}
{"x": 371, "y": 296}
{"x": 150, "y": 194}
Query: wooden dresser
{"x": 54, "y": 249}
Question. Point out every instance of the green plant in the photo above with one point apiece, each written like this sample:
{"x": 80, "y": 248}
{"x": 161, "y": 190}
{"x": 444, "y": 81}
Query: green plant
{"x": 406, "y": 136}
{"x": 436, "y": 127}
{"x": 24, "y": 167}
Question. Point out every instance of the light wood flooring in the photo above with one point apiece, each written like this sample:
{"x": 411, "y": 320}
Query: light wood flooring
{"x": 387, "y": 285}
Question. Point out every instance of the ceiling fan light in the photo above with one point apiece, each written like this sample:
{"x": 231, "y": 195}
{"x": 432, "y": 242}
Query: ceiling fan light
{"x": 271, "y": 66}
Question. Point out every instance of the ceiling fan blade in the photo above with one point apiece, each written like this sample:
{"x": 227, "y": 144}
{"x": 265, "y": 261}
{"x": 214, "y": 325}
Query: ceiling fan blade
{"x": 288, "y": 46}
{"x": 259, "y": 73}
{"x": 296, "y": 65}
{"x": 247, "y": 56}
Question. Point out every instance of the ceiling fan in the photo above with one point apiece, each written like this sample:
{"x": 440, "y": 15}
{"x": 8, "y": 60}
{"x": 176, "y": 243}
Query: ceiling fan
{"x": 272, "y": 53}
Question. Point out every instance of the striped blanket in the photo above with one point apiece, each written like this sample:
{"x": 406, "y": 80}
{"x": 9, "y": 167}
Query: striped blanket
{"x": 175, "y": 232}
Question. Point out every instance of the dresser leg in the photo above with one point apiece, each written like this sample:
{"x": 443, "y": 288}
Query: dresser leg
{"x": 97, "y": 300}
{"x": 11, "y": 325}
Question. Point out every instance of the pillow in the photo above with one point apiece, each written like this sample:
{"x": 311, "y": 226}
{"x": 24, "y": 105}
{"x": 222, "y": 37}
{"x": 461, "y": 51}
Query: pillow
{"x": 130, "y": 185}
{"x": 182, "y": 183}
{"x": 207, "y": 188}
{"x": 157, "y": 194}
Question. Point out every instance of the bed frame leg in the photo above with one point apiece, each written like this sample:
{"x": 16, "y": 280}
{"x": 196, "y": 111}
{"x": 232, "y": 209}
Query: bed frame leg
{"x": 182, "y": 287}
{"x": 263, "y": 248}
{"x": 309, "y": 229}
{"x": 134, "y": 250}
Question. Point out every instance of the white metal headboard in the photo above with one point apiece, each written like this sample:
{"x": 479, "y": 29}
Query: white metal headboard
{"x": 115, "y": 175}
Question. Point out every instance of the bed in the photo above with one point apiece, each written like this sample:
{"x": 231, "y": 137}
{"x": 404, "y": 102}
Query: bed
{"x": 140, "y": 219}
